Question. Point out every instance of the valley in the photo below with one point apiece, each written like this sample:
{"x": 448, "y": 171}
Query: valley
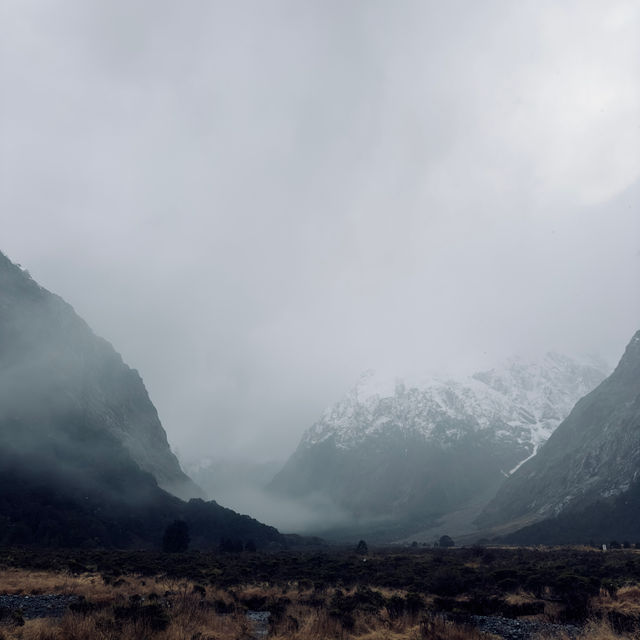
{"x": 319, "y": 320}
{"x": 91, "y": 492}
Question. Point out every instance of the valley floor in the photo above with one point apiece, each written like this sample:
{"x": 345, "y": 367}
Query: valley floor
{"x": 436, "y": 594}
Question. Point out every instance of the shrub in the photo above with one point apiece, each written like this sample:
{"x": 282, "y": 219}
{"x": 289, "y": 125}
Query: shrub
{"x": 176, "y": 537}
{"x": 362, "y": 548}
{"x": 414, "y": 603}
{"x": 395, "y": 606}
{"x": 152, "y": 616}
{"x": 446, "y": 542}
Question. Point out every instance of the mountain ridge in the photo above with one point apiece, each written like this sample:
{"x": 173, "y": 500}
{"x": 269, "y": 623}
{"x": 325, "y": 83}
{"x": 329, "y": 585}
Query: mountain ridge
{"x": 398, "y": 452}
{"x": 82, "y": 450}
{"x": 54, "y": 352}
{"x": 593, "y": 456}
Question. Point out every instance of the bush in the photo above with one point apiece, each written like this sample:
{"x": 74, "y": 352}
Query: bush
{"x": 395, "y": 606}
{"x": 414, "y": 603}
{"x": 152, "y": 616}
{"x": 446, "y": 541}
{"x": 176, "y": 537}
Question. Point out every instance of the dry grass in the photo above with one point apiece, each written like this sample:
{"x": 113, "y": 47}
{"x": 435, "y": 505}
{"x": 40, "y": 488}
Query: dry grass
{"x": 520, "y": 597}
{"x": 625, "y": 601}
{"x": 200, "y": 625}
{"x": 89, "y": 585}
{"x": 190, "y": 614}
{"x": 184, "y": 626}
{"x": 188, "y": 611}
{"x": 23, "y": 581}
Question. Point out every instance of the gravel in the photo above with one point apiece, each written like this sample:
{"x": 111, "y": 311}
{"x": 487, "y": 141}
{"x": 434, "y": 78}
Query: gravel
{"x": 260, "y": 622}
{"x": 512, "y": 629}
{"x": 42, "y": 606}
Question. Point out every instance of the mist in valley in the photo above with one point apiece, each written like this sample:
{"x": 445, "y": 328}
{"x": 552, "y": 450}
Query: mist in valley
{"x": 243, "y": 486}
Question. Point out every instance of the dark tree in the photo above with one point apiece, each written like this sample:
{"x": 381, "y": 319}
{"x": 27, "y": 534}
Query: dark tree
{"x": 225, "y": 545}
{"x": 362, "y": 547}
{"x": 230, "y": 545}
{"x": 446, "y": 541}
{"x": 176, "y": 537}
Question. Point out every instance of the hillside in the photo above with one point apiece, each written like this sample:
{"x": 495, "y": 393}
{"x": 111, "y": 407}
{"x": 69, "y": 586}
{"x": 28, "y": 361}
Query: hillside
{"x": 84, "y": 460}
{"x": 398, "y": 455}
{"x": 585, "y": 478}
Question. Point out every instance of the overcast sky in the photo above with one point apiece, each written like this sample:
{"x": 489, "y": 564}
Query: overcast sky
{"x": 255, "y": 201}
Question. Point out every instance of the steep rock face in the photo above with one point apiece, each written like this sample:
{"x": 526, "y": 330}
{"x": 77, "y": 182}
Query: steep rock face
{"x": 418, "y": 450}
{"x": 594, "y": 455}
{"x": 82, "y": 452}
{"x": 51, "y": 362}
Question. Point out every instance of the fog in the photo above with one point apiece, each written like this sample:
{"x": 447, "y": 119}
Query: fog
{"x": 242, "y": 484}
{"x": 257, "y": 201}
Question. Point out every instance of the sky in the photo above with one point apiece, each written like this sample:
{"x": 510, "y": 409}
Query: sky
{"x": 255, "y": 201}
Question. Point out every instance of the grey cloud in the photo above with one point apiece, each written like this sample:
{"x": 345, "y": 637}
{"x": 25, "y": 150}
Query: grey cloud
{"x": 255, "y": 201}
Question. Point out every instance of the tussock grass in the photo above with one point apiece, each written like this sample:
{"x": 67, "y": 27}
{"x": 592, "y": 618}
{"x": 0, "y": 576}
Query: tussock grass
{"x": 520, "y": 597}
{"x": 321, "y": 596}
{"x": 186, "y": 611}
{"x": 626, "y": 601}
{"x": 23, "y": 581}
{"x": 89, "y": 585}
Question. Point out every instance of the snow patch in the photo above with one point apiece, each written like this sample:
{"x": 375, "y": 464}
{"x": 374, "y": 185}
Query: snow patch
{"x": 519, "y": 404}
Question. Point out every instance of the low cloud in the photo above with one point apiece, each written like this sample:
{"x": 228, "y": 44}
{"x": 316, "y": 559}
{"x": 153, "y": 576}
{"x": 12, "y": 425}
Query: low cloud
{"x": 255, "y": 202}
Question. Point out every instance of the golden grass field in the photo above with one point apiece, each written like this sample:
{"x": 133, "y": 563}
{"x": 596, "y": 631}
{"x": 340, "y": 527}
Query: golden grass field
{"x": 185, "y": 610}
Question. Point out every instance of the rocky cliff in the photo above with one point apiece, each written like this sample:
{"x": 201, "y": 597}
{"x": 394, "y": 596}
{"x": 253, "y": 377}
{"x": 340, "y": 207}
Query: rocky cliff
{"x": 84, "y": 460}
{"x": 593, "y": 457}
{"x": 51, "y": 361}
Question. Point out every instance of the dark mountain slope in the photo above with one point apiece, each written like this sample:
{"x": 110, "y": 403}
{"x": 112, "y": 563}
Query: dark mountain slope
{"x": 51, "y": 360}
{"x": 104, "y": 501}
{"x": 82, "y": 452}
{"x": 589, "y": 466}
{"x": 607, "y": 519}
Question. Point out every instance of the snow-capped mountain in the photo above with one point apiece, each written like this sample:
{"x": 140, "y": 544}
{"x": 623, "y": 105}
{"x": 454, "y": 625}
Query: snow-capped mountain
{"x": 585, "y": 482}
{"x": 419, "y": 448}
{"x": 521, "y": 403}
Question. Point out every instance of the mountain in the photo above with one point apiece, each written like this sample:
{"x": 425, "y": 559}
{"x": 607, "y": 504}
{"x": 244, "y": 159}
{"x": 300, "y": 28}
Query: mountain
{"x": 401, "y": 454}
{"x": 585, "y": 481}
{"x": 50, "y": 359}
{"x": 84, "y": 459}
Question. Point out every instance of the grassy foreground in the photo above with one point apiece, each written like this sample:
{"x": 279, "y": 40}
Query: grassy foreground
{"x": 205, "y": 596}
